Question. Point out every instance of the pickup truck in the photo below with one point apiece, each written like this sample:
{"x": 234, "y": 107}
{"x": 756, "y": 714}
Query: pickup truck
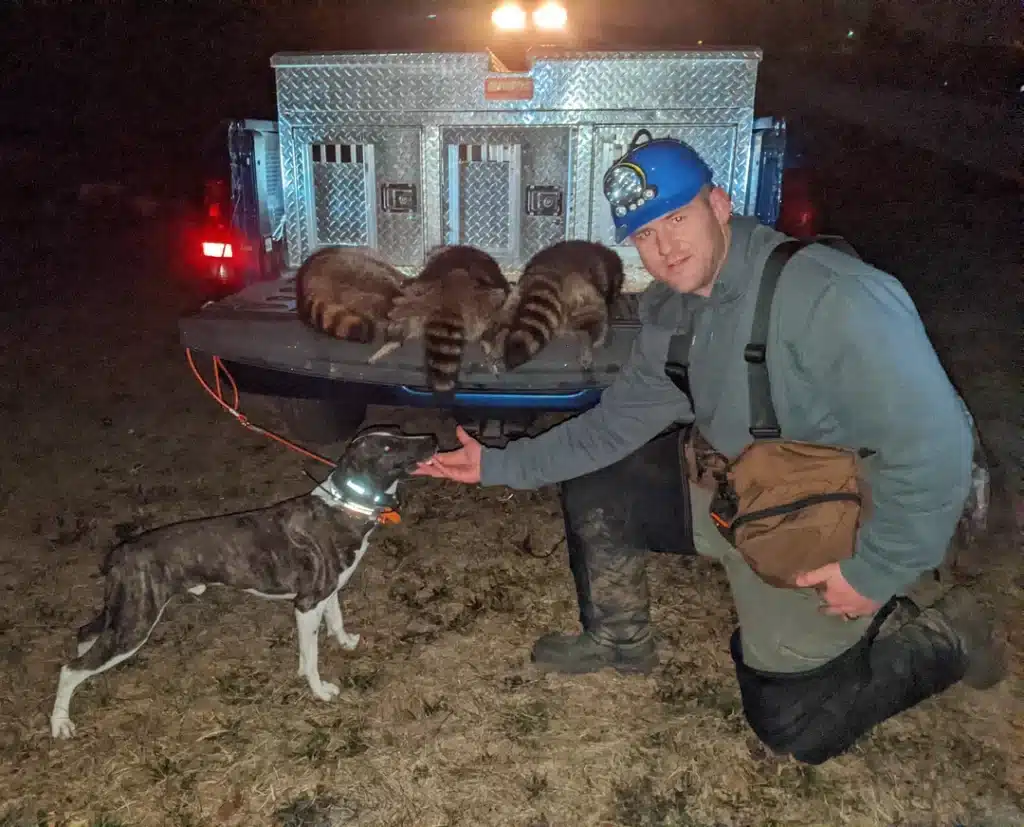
{"x": 404, "y": 151}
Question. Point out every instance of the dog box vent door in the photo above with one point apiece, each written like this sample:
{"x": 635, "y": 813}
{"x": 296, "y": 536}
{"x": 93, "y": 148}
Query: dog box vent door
{"x": 482, "y": 198}
{"x": 344, "y": 190}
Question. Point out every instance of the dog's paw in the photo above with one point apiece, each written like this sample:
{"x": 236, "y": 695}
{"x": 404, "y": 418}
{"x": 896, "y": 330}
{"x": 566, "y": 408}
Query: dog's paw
{"x": 347, "y": 641}
{"x": 326, "y": 691}
{"x": 61, "y": 727}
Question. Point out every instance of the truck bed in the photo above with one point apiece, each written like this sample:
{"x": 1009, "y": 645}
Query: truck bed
{"x": 402, "y": 152}
{"x": 258, "y": 326}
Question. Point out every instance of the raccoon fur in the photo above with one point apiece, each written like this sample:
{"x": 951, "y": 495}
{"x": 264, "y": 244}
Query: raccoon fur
{"x": 565, "y": 289}
{"x": 456, "y": 299}
{"x": 346, "y": 292}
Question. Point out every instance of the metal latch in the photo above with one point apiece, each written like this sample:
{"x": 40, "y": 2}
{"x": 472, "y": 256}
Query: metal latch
{"x": 398, "y": 198}
{"x": 544, "y": 200}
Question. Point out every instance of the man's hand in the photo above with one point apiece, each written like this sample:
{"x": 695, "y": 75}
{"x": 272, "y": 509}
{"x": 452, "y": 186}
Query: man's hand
{"x": 839, "y": 596}
{"x": 461, "y": 465}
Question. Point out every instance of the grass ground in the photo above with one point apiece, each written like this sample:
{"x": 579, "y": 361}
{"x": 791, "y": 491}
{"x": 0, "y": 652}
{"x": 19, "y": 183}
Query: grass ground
{"x": 441, "y": 720}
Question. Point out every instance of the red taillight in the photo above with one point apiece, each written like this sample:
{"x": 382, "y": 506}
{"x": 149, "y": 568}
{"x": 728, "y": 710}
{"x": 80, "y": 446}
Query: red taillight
{"x": 217, "y": 249}
{"x": 800, "y": 212}
{"x": 215, "y": 199}
{"x": 217, "y": 235}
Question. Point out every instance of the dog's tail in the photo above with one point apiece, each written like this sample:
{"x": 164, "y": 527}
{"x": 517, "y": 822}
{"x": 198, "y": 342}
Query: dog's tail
{"x": 108, "y": 559}
{"x": 95, "y": 627}
{"x": 113, "y": 598}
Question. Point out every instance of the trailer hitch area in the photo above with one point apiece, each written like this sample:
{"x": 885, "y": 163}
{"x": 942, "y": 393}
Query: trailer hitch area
{"x": 492, "y": 431}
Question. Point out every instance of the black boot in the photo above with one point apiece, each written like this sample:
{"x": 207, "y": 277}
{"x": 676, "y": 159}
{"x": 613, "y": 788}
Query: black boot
{"x": 613, "y": 517}
{"x": 818, "y": 715}
{"x": 611, "y": 586}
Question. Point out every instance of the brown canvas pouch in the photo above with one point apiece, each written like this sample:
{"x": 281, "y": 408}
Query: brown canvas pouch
{"x": 790, "y": 507}
{"x": 787, "y": 506}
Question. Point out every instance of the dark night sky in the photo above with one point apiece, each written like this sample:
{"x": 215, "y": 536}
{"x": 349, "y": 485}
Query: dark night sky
{"x": 140, "y": 91}
{"x": 107, "y": 80}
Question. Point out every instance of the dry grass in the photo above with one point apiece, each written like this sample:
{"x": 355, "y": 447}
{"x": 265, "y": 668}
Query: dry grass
{"x": 441, "y": 720}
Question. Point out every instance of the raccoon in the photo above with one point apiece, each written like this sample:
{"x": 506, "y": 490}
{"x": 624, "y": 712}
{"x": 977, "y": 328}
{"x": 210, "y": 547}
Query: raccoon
{"x": 456, "y": 299}
{"x": 346, "y": 292}
{"x": 567, "y": 288}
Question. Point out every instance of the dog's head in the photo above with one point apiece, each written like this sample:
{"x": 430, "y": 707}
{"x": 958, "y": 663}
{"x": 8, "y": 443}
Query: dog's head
{"x": 377, "y": 459}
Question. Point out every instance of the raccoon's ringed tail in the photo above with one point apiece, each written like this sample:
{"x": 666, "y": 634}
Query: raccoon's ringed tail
{"x": 537, "y": 317}
{"x": 444, "y": 343}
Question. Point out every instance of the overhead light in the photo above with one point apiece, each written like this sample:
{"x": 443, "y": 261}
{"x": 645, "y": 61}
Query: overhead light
{"x": 550, "y": 15}
{"x": 509, "y": 17}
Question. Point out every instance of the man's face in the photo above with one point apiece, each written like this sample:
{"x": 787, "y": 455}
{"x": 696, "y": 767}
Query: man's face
{"x": 686, "y": 248}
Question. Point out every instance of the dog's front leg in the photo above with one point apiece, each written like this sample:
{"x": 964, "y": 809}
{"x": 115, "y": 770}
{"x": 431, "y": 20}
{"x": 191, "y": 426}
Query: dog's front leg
{"x": 308, "y": 624}
{"x": 336, "y": 624}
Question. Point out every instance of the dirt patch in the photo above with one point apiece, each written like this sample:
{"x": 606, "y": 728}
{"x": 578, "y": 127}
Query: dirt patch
{"x": 440, "y": 720}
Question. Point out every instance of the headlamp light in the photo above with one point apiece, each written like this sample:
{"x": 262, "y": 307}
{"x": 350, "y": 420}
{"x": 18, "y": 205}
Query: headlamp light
{"x": 625, "y": 184}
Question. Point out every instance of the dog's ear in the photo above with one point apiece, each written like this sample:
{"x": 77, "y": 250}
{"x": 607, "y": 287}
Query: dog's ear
{"x": 375, "y": 428}
{"x": 380, "y": 428}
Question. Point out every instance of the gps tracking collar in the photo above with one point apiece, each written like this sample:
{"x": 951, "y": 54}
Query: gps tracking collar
{"x": 357, "y": 495}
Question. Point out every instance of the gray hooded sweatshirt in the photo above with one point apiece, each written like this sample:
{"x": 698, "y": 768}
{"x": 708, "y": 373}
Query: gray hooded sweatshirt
{"x": 850, "y": 364}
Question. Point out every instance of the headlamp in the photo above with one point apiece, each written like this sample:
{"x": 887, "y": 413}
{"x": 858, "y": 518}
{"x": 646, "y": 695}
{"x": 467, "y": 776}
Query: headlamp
{"x": 625, "y": 184}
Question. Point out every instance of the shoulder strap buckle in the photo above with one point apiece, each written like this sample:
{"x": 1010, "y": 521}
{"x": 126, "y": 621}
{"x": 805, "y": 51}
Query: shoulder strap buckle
{"x": 763, "y": 422}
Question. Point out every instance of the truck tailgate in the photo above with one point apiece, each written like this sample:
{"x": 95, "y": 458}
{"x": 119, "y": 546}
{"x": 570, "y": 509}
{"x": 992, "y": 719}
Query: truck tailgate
{"x": 259, "y": 327}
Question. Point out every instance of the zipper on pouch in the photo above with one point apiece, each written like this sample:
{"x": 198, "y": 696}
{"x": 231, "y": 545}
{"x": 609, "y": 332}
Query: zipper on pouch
{"x": 788, "y": 508}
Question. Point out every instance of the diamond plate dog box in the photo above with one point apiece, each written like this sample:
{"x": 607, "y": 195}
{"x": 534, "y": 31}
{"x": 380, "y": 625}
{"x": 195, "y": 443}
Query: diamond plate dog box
{"x": 406, "y": 151}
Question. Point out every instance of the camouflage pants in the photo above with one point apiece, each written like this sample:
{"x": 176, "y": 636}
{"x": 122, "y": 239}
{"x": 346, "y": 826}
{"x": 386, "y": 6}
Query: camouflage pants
{"x": 643, "y": 503}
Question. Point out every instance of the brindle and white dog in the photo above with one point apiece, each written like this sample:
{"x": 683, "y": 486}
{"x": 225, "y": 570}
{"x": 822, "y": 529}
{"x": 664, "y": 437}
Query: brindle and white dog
{"x": 304, "y": 550}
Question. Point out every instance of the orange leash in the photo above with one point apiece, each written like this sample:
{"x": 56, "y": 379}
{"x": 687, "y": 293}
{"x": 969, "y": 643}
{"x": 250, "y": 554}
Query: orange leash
{"x": 218, "y": 395}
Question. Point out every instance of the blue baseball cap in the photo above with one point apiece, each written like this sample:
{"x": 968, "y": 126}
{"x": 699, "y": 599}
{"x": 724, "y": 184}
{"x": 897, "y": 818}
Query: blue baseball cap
{"x": 652, "y": 179}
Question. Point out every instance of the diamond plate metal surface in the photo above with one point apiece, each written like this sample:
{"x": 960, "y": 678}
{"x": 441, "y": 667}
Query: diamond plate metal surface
{"x": 485, "y": 219}
{"x": 339, "y": 198}
{"x": 275, "y": 186}
{"x": 430, "y": 175}
{"x": 545, "y": 157}
{"x": 568, "y": 80}
{"x": 396, "y": 158}
{"x": 545, "y": 163}
{"x": 583, "y": 106}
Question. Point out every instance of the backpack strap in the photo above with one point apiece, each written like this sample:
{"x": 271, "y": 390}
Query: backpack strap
{"x": 677, "y": 364}
{"x": 763, "y": 422}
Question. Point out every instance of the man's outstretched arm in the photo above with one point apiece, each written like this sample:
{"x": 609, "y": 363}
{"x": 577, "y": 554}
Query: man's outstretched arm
{"x": 638, "y": 405}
